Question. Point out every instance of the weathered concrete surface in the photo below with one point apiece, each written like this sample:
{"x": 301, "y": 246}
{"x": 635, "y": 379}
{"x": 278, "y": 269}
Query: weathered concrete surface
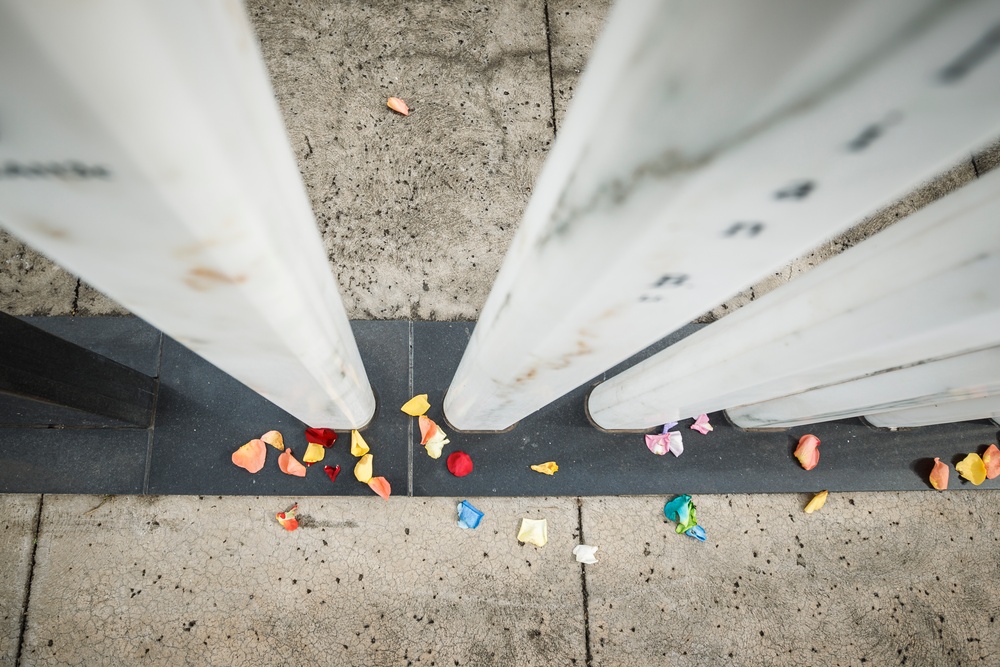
{"x": 877, "y": 579}
{"x": 17, "y": 535}
{"x": 31, "y": 284}
{"x": 92, "y": 302}
{"x": 416, "y": 212}
{"x": 216, "y": 581}
{"x": 573, "y": 28}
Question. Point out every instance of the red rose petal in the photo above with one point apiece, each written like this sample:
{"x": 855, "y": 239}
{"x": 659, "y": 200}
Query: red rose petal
{"x": 807, "y": 451}
{"x": 321, "y": 436}
{"x": 459, "y": 464}
{"x": 332, "y": 472}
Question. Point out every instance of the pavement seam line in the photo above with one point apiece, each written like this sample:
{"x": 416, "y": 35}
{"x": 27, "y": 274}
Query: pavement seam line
{"x": 552, "y": 83}
{"x": 409, "y": 422}
{"x": 589, "y": 660}
{"x": 152, "y": 421}
{"x": 27, "y": 588}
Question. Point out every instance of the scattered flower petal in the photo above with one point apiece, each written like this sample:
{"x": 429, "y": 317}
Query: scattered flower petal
{"x": 314, "y": 453}
{"x": 432, "y": 437}
{"x": 807, "y": 451}
{"x": 991, "y": 459}
{"x": 972, "y": 468}
{"x": 289, "y": 465}
{"x": 287, "y": 518}
{"x": 658, "y": 443}
{"x": 817, "y": 502}
{"x": 363, "y": 469}
{"x": 358, "y": 445}
{"x": 668, "y": 426}
{"x": 459, "y": 464}
{"x": 321, "y": 436}
{"x": 468, "y": 516}
{"x": 533, "y": 531}
{"x": 274, "y": 439}
{"x": 547, "y": 468}
{"x": 398, "y": 105}
{"x": 416, "y": 406}
{"x": 585, "y": 554}
{"x": 380, "y": 485}
{"x": 701, "y": 425}
{"x": 939, "y": 475}
{"x": 428, "y": 429}
{"x": 675, "y": 445}
{"x": 697, "y": 532}
{"x": 251, "y": 456}
{"x": 332, "y": 472}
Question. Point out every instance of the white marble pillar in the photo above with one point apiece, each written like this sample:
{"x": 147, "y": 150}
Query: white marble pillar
{"x": 709, "y": 144}
{"x": 943, "y": 410}
{"x": 899, "y": 319}
{"x": 141, "y": 147}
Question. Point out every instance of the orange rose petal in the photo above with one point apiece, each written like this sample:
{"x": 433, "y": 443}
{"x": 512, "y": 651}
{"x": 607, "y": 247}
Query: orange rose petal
{"x": 287, "y": 518}
{"x": 289, "y": 465}
{"x": 991, "y": 459}
{"x": 427, "y": 429}
{"x": 398, "y": 105}
{"x": 807, "y": 451}
{"x": 939, "y": 475}
{"x": 380, "y": 485}
{"x": 251, "y": 456}
{"x": 274, "y": 439}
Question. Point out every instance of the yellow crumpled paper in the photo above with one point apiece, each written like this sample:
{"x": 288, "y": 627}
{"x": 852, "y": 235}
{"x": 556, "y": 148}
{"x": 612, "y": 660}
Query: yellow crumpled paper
{"x": 547, "y": 468}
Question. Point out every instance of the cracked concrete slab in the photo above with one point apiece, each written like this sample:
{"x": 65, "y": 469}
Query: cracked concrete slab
{"x": 91, "y": 302}
{"x": 17, "y": 535}
{"x": 31, "y": 284}
{"x": 416, "y": 212}
{"x": 573, "y": 28}
{"x": 879, "y": 579}
{"x": 216, "y": 581}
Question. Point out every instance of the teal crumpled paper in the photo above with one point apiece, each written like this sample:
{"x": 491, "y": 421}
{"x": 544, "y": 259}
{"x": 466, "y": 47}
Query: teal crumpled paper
{"x": 682, "y": 510}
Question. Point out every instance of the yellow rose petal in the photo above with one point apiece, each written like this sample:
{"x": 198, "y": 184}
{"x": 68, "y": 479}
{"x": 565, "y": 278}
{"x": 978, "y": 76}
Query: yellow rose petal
{"x": 817, "y": 502}
{"x": 363, "y": 470}
{"x": 547, "y": 468}
{"x": 314, "y": 453}
{"x": 416, "y": 406}
{"x": 358, "y": 445}
{"x": 972, "y": 468}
